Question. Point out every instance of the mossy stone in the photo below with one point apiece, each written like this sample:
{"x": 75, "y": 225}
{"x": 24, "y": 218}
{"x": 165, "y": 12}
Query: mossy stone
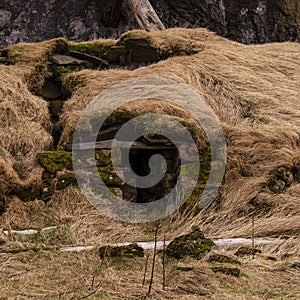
{"x": 70, "y": 83}
{"x": 64, "y": 180}
{"x": 129, "y": 251}
{"x": 282, "y": 178}
{"x": 244, "y": 251}
{"x": 109, "y": 176}
{"x": 95, "y": 49}
{"x": 193, "y": 244}
{"x": 54, "y": 161}
{"x": 219, "y": 258}
{"x": 276, "y": 185}
{"x": 102, "y": 158}
{"x": 228, "y": 271}
{"x": 29, "y": 194}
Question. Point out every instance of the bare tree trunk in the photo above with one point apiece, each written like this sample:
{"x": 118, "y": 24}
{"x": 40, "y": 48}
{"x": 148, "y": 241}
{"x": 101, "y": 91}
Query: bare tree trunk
{"x": 116, "y": 13}
{"x": 145, "y": 15}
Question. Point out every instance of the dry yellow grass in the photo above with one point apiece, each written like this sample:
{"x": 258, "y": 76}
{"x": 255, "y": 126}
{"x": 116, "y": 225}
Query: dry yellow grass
{"x": 30, "y": 60}
{"x": 24, "y": 126}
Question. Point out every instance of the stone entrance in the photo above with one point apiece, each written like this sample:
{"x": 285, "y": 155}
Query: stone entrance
{"x": 139, "y": 160}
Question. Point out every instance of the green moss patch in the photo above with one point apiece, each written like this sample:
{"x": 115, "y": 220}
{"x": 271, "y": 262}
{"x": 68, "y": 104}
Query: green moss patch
{"x": 109, "y": 177}
{"x": 64, "y": 180}
{"x": 95, "y": 49}
{"x": 71, "y": 83}
{"x": 54, "y": 161}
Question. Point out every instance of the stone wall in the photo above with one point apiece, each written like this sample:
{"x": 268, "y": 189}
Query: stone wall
{"x": 241, "y": 20}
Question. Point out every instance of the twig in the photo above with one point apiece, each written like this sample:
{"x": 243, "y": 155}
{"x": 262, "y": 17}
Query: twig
{"x": 93, "y": 280}
{"x": 90, "y": 294}
{"x": 163, "y": 263}
{"x": 146, "y": 267}
{"x": 153, "y": 262}
{"x": 253, "y": 244}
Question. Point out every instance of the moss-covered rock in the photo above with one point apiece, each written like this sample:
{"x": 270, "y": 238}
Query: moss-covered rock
{"x": 193, "y": 244}
{"x": 245, "y": 251}
{"x": 228, "y": 271}
{"x": 103, "y": 158}
{"x": 29, "y": 194}
{"x": 91, "y": 48}
{"x": 283, "y": 177}
{"x": 64, "y": 180}
{"x": 70, "y": 83}
{"x": 219, "y": 258}
{"x": 109, "y": 176}
{"x": 129, "y": 251}
{"x": 54, "y": 161}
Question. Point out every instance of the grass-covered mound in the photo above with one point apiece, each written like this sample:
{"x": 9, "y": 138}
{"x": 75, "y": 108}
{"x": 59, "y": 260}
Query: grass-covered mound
{"x": 254, "y": 90}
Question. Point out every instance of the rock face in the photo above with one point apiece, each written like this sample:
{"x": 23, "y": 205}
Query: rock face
{"x": 241, "y": 20}
{"x": 77, "y": 20}
{"x": 244, "y": 21}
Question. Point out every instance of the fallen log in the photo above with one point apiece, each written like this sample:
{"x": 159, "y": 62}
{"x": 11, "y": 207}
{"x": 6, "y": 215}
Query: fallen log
{"x": 222, "y": 243}
{"x": 30, "y": 231}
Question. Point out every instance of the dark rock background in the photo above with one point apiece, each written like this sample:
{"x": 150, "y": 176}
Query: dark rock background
{"x": 246, "y": 21}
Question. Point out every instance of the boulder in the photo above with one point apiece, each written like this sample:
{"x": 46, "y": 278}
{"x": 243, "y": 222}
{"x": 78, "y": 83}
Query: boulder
{"x": 193, "y": 244}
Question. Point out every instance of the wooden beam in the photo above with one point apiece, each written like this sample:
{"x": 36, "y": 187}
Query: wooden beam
{"x": 145, "y": 15}
{"x": 120, "y": 144}
{"x": 99, "y": 62}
